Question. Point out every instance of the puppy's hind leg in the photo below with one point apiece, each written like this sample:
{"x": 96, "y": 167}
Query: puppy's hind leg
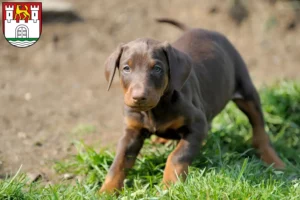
{"x": 247, "y": 100}
{"x": 249, "y": 103}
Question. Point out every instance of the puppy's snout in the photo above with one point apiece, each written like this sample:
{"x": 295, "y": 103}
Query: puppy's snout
{"x": 139, "y": 96}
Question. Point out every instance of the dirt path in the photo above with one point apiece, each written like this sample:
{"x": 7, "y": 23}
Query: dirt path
{"x": 54, "y": 92}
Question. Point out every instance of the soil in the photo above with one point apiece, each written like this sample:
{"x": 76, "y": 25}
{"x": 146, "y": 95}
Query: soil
{"x": 55, "y": 92}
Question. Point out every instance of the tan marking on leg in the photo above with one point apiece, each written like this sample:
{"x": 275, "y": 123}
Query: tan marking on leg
{"x": 127, "y": 151}
{"x": 113, "y": 184}
{"x": 174, "y": 171}
{"x": 261, "y": 140}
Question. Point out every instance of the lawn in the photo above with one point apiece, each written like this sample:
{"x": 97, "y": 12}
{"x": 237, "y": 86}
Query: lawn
{"x": 227, "y": 166}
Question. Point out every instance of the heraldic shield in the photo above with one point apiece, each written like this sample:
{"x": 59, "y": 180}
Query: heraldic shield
{"x": 22, "y": 22}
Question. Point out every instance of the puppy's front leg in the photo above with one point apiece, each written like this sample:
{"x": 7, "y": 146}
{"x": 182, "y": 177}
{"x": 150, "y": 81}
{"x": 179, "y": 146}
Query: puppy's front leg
{"x": 127, "y": 151}
{"x": 183, "y": 155}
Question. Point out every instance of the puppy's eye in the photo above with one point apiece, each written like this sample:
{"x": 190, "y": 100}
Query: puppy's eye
{"x": 126, "y": 69}
{"x": 157, "y": 69}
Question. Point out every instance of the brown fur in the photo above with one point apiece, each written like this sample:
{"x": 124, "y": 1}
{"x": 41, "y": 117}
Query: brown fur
{"x": 174, "y": 91}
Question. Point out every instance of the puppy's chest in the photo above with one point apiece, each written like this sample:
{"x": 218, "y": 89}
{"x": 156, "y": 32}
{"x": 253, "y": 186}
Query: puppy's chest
{"x": 156, "y": 125}
{"x": 161, "y": 126}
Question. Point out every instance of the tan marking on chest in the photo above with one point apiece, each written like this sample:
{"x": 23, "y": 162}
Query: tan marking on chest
{"x": 133, "y": 123}
{"x": 174, "y": 124}
{"x": 136, "y": 124}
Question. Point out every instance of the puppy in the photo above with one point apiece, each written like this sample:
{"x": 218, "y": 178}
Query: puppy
{"x": 174, "y": 91}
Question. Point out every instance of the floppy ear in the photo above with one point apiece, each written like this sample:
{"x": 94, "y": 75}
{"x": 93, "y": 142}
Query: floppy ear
{"x": 180, "y": 66}
{"x": 111, "y": 63}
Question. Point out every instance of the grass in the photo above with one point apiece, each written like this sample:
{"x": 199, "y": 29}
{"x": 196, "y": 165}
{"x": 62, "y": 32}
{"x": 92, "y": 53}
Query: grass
{"x": 226, "y": 168}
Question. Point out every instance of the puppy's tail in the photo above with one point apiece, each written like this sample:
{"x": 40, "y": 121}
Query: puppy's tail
{"x": 173, "y": 22}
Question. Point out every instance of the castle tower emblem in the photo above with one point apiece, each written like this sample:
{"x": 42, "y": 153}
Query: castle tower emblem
{"x": 22, "y": 22}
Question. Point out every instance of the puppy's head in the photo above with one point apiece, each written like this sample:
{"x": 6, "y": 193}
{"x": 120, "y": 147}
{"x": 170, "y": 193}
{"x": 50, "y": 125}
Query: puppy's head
{"x": 147, "y": 69}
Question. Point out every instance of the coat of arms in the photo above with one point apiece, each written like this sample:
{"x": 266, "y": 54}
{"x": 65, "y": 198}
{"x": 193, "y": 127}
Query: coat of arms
{"x": 22, "y": 22}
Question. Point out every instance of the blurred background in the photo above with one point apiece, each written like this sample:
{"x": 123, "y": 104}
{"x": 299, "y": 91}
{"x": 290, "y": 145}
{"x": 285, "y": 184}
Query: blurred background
{"x": 54, "y": 92}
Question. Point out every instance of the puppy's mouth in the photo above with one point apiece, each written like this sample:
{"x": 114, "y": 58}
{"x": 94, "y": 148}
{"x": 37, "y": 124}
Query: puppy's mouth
{"x": 141, "y": 107}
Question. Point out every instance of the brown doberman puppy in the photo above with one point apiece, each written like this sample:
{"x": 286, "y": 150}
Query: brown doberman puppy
{"x": 174, "y": 91}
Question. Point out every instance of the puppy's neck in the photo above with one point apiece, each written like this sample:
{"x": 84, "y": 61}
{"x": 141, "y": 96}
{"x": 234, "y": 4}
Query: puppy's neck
{"x": 168, "y": 98}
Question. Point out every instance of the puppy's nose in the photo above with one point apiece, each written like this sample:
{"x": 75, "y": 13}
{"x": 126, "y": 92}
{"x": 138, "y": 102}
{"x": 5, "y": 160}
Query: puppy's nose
{"x": 138, "y": 96}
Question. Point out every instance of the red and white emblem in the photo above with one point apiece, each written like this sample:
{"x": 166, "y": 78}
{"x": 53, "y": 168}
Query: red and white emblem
{"x": 22, "y": 22}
